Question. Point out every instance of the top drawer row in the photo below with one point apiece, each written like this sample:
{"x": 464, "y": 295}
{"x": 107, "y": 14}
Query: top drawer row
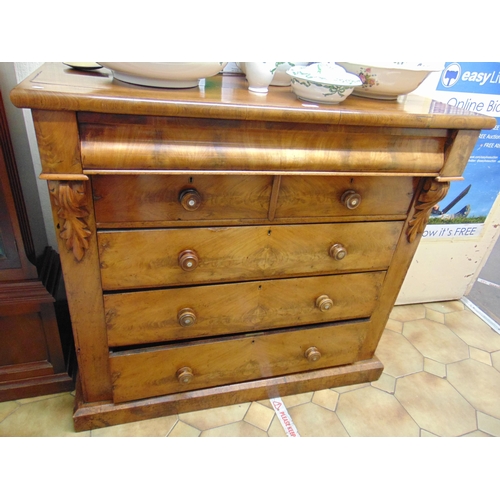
{"x": 168, "y": 198}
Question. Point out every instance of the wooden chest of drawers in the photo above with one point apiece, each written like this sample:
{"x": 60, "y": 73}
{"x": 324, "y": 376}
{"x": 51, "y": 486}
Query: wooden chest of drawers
{"x": 219, "y": 246}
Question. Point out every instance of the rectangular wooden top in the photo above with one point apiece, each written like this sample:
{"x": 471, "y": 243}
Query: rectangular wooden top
{"x": 55, "y": 86}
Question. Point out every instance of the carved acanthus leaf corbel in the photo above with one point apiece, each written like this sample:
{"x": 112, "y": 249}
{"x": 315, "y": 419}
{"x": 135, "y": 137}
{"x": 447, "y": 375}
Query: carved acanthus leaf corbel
{"x": 432, "y": 193}
{"x": 71, "y": 199}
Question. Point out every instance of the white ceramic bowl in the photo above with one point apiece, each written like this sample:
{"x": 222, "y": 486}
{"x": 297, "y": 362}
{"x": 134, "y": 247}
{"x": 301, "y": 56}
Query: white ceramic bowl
{"x": 164, "y": 74}
{"x": 281, "y": 78}
{"x": 389, "y": 80}
{"x": 322, "y": 83}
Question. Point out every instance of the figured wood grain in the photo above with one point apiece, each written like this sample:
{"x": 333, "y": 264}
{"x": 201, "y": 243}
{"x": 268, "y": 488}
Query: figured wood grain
{"x": 152, "y": 372}
{"x": 458, "y": 153}
{"x": 170, "y": 144}
{"x": 148, "y": 258}
{"x": 55, "y": 87}
{"x": 58, "y": 141}
{"x": 240, "y": 307}
{"x": 156, "y": 198}
{"x": 313, "y": 196}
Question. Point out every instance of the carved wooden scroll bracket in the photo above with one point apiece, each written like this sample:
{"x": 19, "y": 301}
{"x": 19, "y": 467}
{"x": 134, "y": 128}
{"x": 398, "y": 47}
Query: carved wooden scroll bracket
{"x": 432, "y": 193}
{"x": 70, "y": 198}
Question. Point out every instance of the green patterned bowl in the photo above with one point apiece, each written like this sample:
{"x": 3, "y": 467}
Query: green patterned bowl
{"x": 322, "y": 83}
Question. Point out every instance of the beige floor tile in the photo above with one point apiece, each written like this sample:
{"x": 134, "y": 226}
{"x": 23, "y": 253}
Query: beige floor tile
{"x": 266, "y": 403}
{"x": 236, "y": 429}
{"x": 6, "y": 408}
{"x": 478, "y": 383}
{"x": 426, "y": 434}
{"x": 395, "y": 326}
{"x": 315, "y": 421}
{"x": 488, "y": 424}
{"x": 435, "y": 341}
{"x": 480, "y": 355}
{"x": 476, "y": 434}
{"x": 435, "y": 316}
{"x": 435, "y": 405}
{"x": 260, "y": 416}
{"x": 446, "y": 307}
{"x": 297, "y": 399}
{"x": 276, "y": 429}
{"x": 473, "y": 330}
{"x": 434, "y": 367}
{"x": 385, "y": 383}
{"x": 408, "y": 313}
{"x": 182, "y": 429}
{"x": 40, "y": 398}
{"x": 156, "y": 427}
{"x": 215, "y": 417}
{"x": 327, "y": 399}
{"x": 397, "y": 355}
{"x": 51, "y": 417}
{"x": 370, "y": 412}
{"x": 350, "y": 388}
{"x": 495, "y": 359}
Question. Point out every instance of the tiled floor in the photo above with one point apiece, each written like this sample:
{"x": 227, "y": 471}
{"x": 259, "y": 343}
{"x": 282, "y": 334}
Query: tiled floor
{"x": 441, "y": 378}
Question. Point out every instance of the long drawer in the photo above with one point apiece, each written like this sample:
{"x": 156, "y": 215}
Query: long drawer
{"x": 201, "y": 311}
{"x": 160, "y": 199}
{"x": 145, "y": 373}
{"x": 164, "y": 257}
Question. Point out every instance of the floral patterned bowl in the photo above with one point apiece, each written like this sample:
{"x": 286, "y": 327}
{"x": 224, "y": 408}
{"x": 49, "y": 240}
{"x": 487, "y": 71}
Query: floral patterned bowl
{"x": 322, "y": 83}
{"x": 389, "y": 80}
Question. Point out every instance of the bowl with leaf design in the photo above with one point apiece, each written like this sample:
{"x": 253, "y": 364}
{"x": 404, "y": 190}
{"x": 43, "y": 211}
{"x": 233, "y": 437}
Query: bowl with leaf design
{"x": 389, "y": 80}
{"x": 323, "y": 83}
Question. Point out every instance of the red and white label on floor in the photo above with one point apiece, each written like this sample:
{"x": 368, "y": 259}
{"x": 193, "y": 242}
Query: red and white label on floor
{"x": 284, "y": 417}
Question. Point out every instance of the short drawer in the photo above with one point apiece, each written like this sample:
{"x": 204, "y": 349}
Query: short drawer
{"x": 321, "y": 196}
{"x": 145, "y": 373}
{"x": 166, "y": 198}
{"x": 171, "y": 257}
{"x": 203, "y": 311}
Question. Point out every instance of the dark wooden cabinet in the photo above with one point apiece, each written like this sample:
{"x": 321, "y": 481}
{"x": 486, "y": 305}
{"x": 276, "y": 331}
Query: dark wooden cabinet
{"x": 31, "y": 354}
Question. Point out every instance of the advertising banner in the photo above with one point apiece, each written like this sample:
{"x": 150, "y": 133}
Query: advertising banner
{"x": 471, "y": 86}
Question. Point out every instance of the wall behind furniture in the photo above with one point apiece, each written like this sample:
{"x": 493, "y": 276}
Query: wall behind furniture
{"x": 23, "y": 138}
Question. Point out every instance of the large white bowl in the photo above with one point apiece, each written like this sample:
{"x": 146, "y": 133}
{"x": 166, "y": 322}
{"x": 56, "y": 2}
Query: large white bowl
{"x": 322, "y": 82}
{"x": 389, "y": 80}
{"x": 178, "y": 75}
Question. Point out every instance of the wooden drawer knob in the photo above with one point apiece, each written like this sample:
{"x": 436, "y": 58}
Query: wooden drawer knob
{"x": 338, "y": 251}
{"x": 188, "y": 260}
{"x": 186, "y": 317}
{"x": 324, "y": 303}
{"x": 351, "y": 199}
{"x": 190, "y": 199}
{"x": 185, "y": 375}
{"x": 312, "y": 354}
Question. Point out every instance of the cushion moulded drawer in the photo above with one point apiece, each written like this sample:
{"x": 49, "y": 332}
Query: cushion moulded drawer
{"x": 203, "y": 311}
{"x": 145, "y": 373}
{"x": 170, "y": 257}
